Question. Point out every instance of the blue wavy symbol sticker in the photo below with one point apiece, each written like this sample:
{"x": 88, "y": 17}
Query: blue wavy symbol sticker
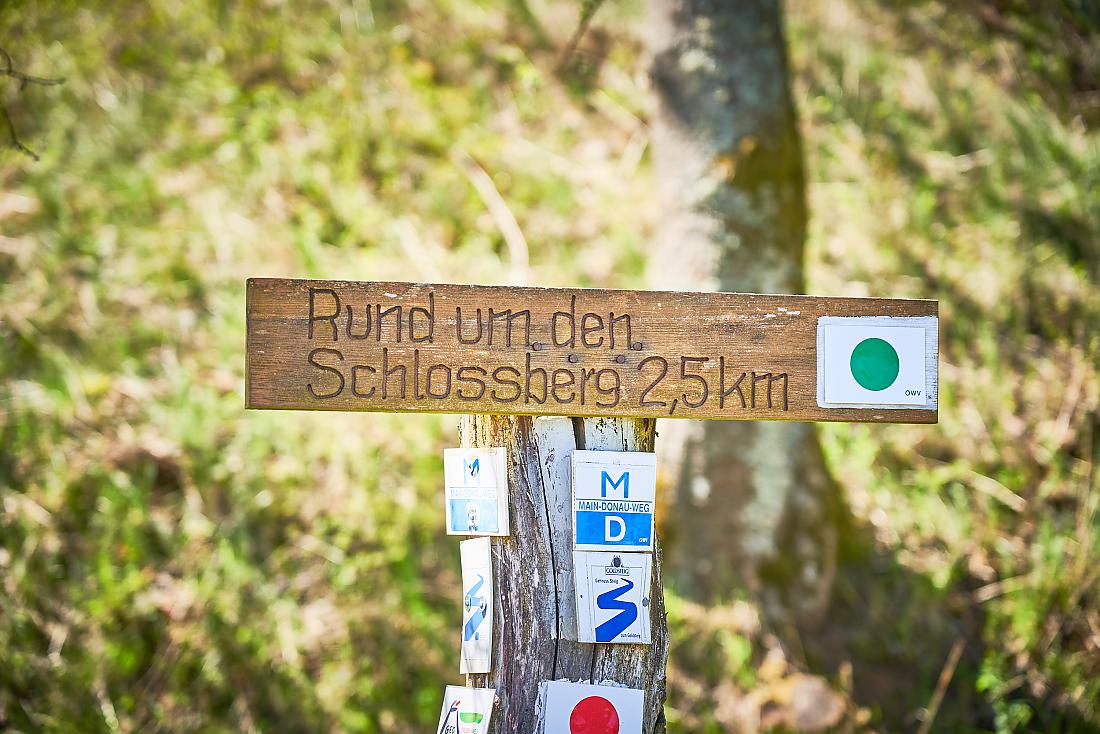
{"x": 628, "y": 612}
{"x": 472, "y": 600}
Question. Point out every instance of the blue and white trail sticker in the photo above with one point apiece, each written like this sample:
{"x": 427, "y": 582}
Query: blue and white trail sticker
{"x": 613, "y": 596}
{"x": 477, "y": 491}
{"x": 613, "y": 498}
{"x": 477, "y": 606}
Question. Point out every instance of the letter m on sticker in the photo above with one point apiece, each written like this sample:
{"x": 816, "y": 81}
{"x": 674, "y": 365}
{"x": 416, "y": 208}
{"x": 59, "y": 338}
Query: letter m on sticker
{"x": 623, "y": 481}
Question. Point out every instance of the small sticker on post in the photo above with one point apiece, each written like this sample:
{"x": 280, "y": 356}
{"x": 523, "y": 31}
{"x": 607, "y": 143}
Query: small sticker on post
{"x": 466, "y": 710}
{"x": 477, "y": 491}
{"x": 877, "y": 361}
{"x": 613, "y": 597}
{"x": 477, "y": 606}
{"x": 613, "y": 498}
{"x": 581, "y": 708}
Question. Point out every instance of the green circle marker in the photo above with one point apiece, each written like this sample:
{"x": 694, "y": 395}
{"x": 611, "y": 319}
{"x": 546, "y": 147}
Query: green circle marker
{"x": 875, "y": 364}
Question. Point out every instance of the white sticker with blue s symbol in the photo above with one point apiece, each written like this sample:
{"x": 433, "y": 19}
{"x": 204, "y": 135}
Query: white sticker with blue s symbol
{"x": 613, "y": 595}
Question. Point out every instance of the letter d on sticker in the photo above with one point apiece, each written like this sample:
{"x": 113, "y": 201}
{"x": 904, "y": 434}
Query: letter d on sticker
{"x": 620, "y": 533}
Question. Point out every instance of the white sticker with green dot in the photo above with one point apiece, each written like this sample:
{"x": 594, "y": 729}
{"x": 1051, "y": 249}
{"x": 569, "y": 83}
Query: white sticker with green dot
{"x": 877, "y": 361}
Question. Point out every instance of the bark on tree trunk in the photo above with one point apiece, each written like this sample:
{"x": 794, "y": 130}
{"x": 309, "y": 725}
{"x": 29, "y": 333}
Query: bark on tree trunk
{"x": 753, "y": 503}
{"x": 535, "y": 615}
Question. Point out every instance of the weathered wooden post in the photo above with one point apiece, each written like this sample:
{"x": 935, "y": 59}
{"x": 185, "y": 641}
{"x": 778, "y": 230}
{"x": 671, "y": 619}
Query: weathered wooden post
{"x": 522, "y": 364}
{"x": 537, "y": 616}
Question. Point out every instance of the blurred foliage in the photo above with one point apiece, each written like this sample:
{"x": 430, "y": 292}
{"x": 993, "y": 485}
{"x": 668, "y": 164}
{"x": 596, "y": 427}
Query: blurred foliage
{"x": 172, "y": 563}
{"x": 1052, "y": 48}
{"x": 947, "y": 176}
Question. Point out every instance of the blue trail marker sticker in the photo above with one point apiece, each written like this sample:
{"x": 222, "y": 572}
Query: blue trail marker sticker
{"x": 613, "y": 499}
{"x": 476, "y": 491}
{"x": 613, "y": 596}
{"x": 477, "y": 606}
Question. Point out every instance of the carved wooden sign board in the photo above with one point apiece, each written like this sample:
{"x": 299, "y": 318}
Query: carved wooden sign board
{"x": 343, "y": 345}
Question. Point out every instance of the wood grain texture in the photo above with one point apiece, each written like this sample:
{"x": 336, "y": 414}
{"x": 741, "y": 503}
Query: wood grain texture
{"x": 533, "y": 572}
{"x": 341, "y": 345}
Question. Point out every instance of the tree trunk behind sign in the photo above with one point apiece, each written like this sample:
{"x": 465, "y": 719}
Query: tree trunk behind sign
{"x": 535, "y": 615}
{"x": 753, "y": 500}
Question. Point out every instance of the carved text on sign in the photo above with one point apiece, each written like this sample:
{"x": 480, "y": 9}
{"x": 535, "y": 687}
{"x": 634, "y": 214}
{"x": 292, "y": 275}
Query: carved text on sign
{"x": 448, "y": 348}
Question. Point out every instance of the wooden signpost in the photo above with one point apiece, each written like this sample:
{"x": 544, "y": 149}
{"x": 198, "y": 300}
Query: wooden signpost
{"x": 543, "y": 372}
{"x": 339, "y": 345}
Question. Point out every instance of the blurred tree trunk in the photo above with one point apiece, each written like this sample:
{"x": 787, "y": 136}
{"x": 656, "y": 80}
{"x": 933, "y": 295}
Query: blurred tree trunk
{"x": 753, "y": 505}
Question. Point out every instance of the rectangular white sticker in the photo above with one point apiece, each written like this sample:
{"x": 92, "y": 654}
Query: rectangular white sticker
{"x": 613, "y": 596}
{"x": 477, "y": 491}
{"x": 466, "y": 710}
{"x": 613, "y": 500}
{"x": 887, "y": 362}
{"x": 477, "y": 606}
{"x": 568, "y": 708}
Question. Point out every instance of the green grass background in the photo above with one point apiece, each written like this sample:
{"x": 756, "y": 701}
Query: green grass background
{"x": 172, "y": 563}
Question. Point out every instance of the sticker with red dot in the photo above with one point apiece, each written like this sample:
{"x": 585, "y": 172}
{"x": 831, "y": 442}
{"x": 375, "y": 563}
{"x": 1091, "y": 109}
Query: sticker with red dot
{"x": 583, "y": 708}
{"x": 594, "y": 715}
